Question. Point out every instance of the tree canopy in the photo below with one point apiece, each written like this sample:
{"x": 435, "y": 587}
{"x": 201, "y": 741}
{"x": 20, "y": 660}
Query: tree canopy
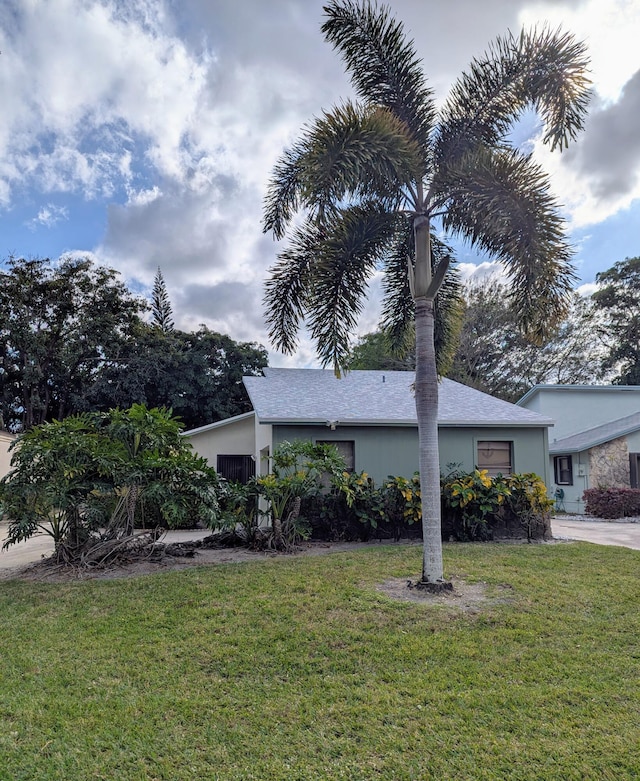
{"x": 58, "y": 323}
{"x": 72, "y": 339}
{"x": 618, "y": 299}
{"x": 495, "y": 357}
{"x": 198, "y": 374}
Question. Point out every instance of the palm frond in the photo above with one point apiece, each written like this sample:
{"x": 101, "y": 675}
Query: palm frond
{"x": 287, "y": 288}
{"x": 398, "y": 309}
{"x": 500, "y": 202}
{"x": 350, "y": 152}
{"x": 541, "y": 69}
{"x": 356, "y": 151}
{"x": 384, "y": 67}
{"x": 283, "y": 193}
{"x": 346, "y": 261}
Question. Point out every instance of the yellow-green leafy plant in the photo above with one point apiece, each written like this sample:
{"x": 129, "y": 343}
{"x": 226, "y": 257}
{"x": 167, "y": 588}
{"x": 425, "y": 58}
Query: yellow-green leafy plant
{"x": 477, "y": 497}
{"x": 408, "y": 490}
{"x": 528, "y": 504}
{"x": 364, "y": 501}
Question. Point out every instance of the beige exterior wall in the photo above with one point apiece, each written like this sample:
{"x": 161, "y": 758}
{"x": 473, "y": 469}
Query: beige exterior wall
{"x": 264, "y": 446}
{"x": 234, "y": 438}
{"x": 5, "y": 456}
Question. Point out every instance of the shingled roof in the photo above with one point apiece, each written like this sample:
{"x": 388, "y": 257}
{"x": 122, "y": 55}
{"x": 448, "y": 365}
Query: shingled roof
{"x": 373, "y": 398}
{"x": 597, "y": 435}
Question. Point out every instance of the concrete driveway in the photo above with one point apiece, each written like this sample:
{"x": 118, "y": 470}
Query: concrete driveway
{"x": 623, "y": 533}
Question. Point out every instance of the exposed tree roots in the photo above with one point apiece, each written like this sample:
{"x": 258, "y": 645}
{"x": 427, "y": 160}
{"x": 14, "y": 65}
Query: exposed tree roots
{"x": 438, "y": 587}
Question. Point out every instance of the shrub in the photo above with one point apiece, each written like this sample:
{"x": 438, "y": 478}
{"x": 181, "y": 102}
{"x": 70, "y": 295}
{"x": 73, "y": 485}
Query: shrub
{"x": 299, "y": 470}
{"x": 527, "y": 507}
{"x": 478, "y": 507}
{"x": 612, "y": 502}
{"x": 92, "y": 477}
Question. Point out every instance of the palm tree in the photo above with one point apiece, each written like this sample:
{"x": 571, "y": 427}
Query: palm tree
{"x": 370, "y": 177}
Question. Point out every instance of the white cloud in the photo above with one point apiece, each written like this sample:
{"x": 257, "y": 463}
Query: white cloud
{"x": 600, "y": 173}
{"x": 80, "y": 80}
{"x": 587, "y": 290}
{"x": 173, "y": 115}
{"x": 48, "y": 216}
{"x": 477, "y": 272}
{"x": 610, "y": 29}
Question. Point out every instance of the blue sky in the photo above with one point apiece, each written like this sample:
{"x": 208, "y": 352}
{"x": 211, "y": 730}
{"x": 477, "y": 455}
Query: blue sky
{"x": 142, "y": 133}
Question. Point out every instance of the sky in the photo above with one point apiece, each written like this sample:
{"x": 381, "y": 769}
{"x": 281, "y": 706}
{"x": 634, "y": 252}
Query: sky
{"x": 142, "y": 133}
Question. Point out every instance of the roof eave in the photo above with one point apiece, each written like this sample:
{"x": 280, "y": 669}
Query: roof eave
{"x": 276, "y": 421}
{"x": 554, "y": 449}
{"x": 218, "y": 424}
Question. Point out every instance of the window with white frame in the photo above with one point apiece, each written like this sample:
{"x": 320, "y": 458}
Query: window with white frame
{"x": 563, "y": 470}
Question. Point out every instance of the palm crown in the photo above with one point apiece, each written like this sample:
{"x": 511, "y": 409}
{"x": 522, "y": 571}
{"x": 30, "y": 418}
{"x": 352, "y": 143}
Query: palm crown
{"x": 363, "y": 173}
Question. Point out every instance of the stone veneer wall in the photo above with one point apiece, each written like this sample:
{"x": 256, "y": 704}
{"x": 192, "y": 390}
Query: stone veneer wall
{"x": 609, "y": 465}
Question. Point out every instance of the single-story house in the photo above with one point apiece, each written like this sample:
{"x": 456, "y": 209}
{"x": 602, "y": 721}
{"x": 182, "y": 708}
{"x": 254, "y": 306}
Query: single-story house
{"x": 371, "y": 418}
{"x": 595, "y": 440}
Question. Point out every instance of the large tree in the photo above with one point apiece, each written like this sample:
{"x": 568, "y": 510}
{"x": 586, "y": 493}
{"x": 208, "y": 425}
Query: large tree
{"x": 198, "y": 374}
{"x": 618, "y": 299}
{"x": 495, "y": 357}
{"x": 59, "y": 322}
{"x": 370, "y": 177}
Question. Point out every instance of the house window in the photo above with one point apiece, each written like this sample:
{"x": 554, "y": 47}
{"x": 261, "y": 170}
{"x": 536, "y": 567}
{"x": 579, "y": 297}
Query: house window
{"x": 634, "y": 470}
{"x": 236, "y": 469}
{"x": 495, "y": 457}
{"x": 345, "y": 448}
{"x": 563, "y": 470}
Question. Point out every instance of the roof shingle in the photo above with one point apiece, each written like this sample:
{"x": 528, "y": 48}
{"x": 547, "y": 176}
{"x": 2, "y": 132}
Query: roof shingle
{"x": 373, "y": 398}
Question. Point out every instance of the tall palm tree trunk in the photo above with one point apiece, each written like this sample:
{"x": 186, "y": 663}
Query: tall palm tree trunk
{"x": 426, "y": 390}
{"x": 429, "y": 461}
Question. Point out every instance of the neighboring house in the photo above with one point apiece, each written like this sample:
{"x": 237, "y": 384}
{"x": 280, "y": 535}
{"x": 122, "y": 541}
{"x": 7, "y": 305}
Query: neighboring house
{"x": 595, "y": 441}
{"x": 370, "y": 416}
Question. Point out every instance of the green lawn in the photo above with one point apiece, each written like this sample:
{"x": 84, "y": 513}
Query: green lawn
{"x": 298, "y": 668}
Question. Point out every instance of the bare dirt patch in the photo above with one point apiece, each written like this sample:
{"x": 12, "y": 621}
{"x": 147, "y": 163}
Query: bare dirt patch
{"x": 46, "y": 570}
{"x": 467, "y": 597}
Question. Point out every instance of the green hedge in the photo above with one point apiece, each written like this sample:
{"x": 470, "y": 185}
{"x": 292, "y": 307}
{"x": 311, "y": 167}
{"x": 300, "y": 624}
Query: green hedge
{"x": 474, "y": 507}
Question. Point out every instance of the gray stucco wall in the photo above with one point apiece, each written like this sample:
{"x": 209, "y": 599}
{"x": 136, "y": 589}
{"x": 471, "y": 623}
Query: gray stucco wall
{"x": 382, "y": 451}
{"x": 576, "y": 410}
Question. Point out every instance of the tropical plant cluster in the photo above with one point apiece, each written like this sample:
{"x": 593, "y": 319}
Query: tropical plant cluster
{"x": 265, "y": 512}
{"x": 91, "y": 479}
{"x": 612, "y": 502}
{"x": 309, "y": 493}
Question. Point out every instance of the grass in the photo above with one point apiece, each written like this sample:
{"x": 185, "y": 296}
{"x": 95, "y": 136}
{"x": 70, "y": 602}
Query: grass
{"x": 301, "y": 669}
